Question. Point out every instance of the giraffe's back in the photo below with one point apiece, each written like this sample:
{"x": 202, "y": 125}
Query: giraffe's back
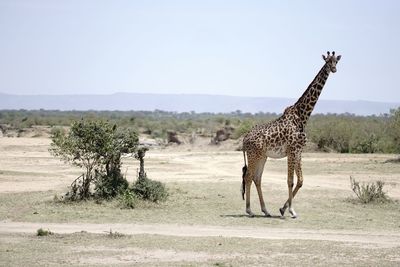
{"x": 274, "y": 138}
{"x": 267, "y": 140}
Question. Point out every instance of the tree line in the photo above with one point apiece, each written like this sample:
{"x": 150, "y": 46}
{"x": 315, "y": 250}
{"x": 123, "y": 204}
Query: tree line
{"x": 344, "y": 133}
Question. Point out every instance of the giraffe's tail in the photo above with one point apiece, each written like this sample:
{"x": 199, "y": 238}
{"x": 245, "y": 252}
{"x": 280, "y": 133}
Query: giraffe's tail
{"x": 244, "y": 171}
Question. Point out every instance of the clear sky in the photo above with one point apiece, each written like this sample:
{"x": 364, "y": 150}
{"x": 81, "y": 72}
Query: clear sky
{"x": 243, "y": 48}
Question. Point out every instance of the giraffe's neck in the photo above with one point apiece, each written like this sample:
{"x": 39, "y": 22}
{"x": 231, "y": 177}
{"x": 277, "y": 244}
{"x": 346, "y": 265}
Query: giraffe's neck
{"x": 307, "y": 101}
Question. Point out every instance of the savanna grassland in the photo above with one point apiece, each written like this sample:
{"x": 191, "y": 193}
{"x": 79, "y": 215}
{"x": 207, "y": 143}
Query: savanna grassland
{"x": 203, "y": 221}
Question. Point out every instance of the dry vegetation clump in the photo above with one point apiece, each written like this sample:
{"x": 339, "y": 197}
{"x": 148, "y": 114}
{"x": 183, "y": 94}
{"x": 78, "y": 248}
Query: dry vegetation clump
{"x": 395, "y": 160}
{"x": 114, "y": 234}
{"x": 369, "y": 192}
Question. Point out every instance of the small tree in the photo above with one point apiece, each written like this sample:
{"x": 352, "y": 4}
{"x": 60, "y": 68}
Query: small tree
{"x": 96, "y": 146}
{"x": 146, "y": 188}
{"x": 110, "y": 181}
{"x": 141, "y": 152}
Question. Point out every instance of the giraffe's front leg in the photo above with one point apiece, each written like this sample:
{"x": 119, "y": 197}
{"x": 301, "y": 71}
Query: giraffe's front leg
{"x": 299, "y": 184}
{"x": 288, "y": 203}
{"x": 292, "y": 213}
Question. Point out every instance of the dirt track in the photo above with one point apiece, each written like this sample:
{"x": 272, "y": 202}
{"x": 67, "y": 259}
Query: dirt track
{"x": 381, "y": 239}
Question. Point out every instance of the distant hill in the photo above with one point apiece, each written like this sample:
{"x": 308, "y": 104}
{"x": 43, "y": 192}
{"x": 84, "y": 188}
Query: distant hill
{"x": 183, "y": 103}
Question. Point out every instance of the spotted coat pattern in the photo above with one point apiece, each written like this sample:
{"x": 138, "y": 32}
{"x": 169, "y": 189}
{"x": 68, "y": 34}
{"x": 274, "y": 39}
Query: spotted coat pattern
{"x": 283, "y": 137}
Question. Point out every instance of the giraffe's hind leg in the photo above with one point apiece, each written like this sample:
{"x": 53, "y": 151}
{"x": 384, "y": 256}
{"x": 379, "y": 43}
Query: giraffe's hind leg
{"x": 257, "y": 181}
{"x": 248, "y": 179}
{"x": 248, "y": 209}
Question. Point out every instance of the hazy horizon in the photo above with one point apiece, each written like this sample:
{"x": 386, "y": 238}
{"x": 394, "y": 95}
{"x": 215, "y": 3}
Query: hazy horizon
{"x": 194, "y": 94}
{"x": 184, "y": 103}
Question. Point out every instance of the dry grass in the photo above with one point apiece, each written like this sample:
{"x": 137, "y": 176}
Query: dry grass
{"x": 214, "y": 204}
{"x": 204, "y": 189}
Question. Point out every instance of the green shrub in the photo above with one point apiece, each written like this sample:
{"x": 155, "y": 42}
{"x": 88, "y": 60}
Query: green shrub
{"x": 109, "y": 186}
{"x": 151, "y": 190}
{"x": 128, "y": 199}
{"x": 394, "y": 129}
{"x": 364, "y": 143}
{"x": 369, "y": 193}
{"x": 243, "y": 128}
{"x": 42, "y": 232}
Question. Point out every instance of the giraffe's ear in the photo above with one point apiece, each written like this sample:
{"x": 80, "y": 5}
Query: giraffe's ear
{"x": 338, "y": 57}
{"x": 324, "y": 57}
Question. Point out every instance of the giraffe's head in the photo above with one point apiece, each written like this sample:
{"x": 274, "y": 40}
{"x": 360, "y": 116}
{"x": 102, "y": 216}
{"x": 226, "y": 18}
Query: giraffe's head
{"x": 331, "y": 61}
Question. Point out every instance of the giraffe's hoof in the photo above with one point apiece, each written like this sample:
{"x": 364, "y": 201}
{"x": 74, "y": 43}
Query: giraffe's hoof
{"x": 282, "y": 210}
{"x": 251, "y": 214}
{"x": 266, "y": 213}
{"x": 292, "y": 213}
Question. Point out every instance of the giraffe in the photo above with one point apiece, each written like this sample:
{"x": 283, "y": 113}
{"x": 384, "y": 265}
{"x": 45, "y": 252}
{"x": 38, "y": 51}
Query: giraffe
{"x": 283, "y": 137}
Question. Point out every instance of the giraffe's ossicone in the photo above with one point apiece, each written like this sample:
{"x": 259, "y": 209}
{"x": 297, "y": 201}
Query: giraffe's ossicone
{"x": 283, "y": 137}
